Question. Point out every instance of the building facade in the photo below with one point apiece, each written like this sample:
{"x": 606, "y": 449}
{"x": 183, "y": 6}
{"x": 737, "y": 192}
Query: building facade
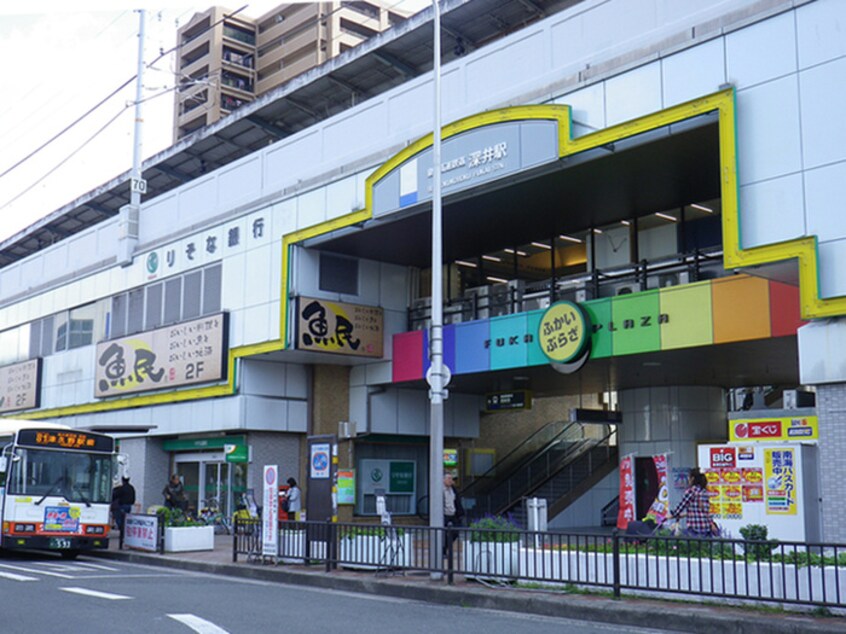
{"x": 674, "y": 172}
{"x": 226, "y": 60}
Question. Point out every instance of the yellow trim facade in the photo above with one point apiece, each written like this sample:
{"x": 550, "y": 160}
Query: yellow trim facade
{"x": 735, "y": 256}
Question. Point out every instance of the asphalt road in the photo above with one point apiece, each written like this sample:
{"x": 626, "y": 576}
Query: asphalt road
{"x": 41, "y": 593}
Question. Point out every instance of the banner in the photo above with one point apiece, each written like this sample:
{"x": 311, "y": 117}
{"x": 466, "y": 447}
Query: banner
{"x": 660, "y": 505}
{"x": 780, "y": 481}
{"x": 627, "y": 493}
{"x": 270, "y": 512}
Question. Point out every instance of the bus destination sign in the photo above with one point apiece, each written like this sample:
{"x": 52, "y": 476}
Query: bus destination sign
{"x": 70, "y": 439}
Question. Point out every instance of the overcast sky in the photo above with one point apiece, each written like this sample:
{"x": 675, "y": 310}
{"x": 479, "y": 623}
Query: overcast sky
{"x": 60, "y": 58}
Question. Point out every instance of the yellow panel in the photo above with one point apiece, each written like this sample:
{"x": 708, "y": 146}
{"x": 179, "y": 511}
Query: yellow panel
{"x": 688, "y": 311}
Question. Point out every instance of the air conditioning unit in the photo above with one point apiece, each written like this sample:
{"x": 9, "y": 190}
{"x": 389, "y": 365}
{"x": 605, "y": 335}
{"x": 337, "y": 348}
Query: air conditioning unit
{"x": 453, "y": 318}
{"x": 421, "y": 313}
{"x": 480, "y": 301}
{"x": 500, "y": 300}
{"x": 626, "y": 289}
{"x": 536, "y": 303}
{"x": 673, "y": 279}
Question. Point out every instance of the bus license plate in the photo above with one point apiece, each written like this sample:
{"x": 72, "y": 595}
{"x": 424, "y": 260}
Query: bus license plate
{"x": 60, "y": 543}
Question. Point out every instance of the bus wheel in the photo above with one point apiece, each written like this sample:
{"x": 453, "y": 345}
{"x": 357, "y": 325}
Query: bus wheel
{"x": 70, "y": 554}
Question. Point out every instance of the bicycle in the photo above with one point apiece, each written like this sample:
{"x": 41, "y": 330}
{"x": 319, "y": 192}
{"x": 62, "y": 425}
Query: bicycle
{"x": 211, "y": 514}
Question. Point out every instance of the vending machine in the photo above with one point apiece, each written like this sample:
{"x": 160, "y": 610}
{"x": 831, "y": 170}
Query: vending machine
{"x": 775, "y": 484}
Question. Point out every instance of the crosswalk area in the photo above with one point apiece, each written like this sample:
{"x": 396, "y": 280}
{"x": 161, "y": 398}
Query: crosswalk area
{"x": 34, "y": 570}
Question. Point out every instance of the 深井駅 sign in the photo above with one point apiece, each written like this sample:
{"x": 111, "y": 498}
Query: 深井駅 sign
{"x": 350, "y": 329}
{"x": 20, "y": 385}
{"x": 182, "y": 354}
{"x": 563, "y": 332}
{"x": 770, "y": 429}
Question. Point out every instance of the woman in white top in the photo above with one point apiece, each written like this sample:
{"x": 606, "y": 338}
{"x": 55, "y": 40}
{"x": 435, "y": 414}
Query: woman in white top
{"x": 294, "y": 497}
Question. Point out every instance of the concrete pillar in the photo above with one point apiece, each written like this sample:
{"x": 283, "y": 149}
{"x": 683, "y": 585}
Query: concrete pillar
{"x": 831, "y": 411}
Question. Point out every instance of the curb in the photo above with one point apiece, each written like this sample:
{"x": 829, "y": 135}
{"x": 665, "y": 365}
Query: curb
{"x": 636, "y": 612}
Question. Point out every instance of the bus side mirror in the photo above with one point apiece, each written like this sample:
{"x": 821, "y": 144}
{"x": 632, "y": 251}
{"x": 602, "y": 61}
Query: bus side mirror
{"x": 4, "y": 462}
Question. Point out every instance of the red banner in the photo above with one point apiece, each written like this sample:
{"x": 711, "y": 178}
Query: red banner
{"x": 660, "y": 505}
{"x": 627, "y": 493}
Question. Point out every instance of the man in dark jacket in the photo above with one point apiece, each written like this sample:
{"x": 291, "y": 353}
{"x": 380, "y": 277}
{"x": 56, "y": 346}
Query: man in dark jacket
{"x": 123, "y": 498}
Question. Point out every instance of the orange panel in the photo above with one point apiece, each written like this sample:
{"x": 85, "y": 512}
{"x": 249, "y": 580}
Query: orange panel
{"x": 741, "y": 308}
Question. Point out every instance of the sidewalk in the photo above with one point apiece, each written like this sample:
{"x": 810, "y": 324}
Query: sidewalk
{"x": 678, "y": 616}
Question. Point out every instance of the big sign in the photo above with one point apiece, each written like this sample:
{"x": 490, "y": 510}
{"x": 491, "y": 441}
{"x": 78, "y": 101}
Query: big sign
{"x": 723, "y": 458}
{"x": 182, "y": 354}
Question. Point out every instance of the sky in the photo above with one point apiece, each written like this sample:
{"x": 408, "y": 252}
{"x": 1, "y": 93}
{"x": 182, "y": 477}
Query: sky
{"x": 60, "y": 60}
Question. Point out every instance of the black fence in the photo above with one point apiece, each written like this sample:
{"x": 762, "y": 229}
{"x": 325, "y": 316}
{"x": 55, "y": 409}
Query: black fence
{"x": 757, "y": 571}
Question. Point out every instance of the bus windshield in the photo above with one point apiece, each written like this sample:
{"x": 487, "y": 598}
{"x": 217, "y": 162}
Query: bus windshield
{"x": 77, "y": 476}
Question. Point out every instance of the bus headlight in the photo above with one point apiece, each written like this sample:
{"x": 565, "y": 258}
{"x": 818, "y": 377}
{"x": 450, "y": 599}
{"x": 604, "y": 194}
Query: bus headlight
{"x": 24, "y": 528}
{"x": 94, "y": 530}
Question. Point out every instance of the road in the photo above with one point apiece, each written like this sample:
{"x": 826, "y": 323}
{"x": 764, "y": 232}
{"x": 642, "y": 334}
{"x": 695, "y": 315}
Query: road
{"x": 40, "y": 593}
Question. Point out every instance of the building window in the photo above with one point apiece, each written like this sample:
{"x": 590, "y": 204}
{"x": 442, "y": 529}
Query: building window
{"x": 338, "y": 274}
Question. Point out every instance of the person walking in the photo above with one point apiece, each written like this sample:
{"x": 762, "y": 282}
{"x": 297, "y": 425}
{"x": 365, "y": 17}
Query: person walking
{"x": 453, "y": 512}
{"x": 697, "y": 505}
{"x": 123, "y": 498}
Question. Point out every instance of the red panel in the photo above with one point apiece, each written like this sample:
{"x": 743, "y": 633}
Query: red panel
{"x": 408, "y": 356}
{"x": 784, "y": 309}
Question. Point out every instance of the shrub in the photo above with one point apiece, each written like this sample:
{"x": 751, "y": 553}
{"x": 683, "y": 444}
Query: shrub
{"x": 176, "y": 518}
{"x": 495, "y": 528}
{"x": 761, "y": 548}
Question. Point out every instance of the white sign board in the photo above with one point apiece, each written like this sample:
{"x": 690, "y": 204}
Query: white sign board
{"x": 141, "y": 532}
{"x": 20, "y": 385}
{"x": 270, "y": 512}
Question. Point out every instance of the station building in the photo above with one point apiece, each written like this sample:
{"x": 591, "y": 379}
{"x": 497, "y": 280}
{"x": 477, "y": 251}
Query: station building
{"x": 676, "y": 171}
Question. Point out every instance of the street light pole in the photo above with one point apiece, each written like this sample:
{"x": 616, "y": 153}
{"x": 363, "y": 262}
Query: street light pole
{"x": 437, "y": 375}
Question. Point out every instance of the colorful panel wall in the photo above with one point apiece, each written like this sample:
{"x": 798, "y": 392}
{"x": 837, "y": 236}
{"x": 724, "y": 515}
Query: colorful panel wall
{"x": 729, "y": 309}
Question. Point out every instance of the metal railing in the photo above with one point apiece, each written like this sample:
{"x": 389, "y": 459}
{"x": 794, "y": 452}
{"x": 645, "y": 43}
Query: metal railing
{"x": 758, "y": 571}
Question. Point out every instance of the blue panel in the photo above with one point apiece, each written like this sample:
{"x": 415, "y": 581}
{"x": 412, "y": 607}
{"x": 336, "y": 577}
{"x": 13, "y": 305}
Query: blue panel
{"x": 471, "y": 352}
{"x": 449, "y": 346}
{"x": 508, "y": 342}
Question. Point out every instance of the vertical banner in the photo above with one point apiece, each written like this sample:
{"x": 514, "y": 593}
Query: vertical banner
{"x": 270, "y": 512}
{"x": 780, "y": 481}
{"x": 660, "y": 505}
{"x": 627, "y": 492}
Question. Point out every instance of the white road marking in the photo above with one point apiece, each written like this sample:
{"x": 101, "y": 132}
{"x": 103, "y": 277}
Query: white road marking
{"x": 96, "y": 566}
{"x": 201, "y": 626}
{"x": 94, "y": 593}
{"x": 36, "y": 572}
{"x": 14, "y": 577}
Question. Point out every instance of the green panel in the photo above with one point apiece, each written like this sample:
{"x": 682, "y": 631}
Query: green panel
{"x": 402, "y": 477}
{"x": 535, "y": 355}
{"x": 200, "y": 444}
{"x": 688, "y": 317}
{"x": 599, "y": 311}
{"x": 634, "y": 323}
{"x": 508, "y": 344}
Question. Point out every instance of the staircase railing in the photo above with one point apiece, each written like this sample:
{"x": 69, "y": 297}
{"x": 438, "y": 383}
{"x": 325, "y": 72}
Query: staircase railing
{"x": 538, "y": 469}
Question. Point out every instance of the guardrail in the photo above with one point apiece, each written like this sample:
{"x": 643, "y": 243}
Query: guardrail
{"x": 758, "y": 571}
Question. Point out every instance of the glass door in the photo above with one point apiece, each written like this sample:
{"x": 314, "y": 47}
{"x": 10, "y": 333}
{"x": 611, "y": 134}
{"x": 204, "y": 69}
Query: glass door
{"x": 216, "y": 485}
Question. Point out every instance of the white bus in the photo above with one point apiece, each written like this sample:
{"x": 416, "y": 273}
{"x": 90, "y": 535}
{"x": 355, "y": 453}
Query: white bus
{"x": 55, "y": 487}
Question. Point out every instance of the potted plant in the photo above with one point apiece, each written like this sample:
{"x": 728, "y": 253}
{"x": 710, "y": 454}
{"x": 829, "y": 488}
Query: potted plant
{"x": 374, "y": 547}
{"x": 183, "y": 533}
{"x": 492, "y": 547}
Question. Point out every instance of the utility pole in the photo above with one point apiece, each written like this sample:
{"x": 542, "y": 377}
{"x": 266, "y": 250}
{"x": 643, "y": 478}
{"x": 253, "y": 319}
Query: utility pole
{"x": 130, "y": 214}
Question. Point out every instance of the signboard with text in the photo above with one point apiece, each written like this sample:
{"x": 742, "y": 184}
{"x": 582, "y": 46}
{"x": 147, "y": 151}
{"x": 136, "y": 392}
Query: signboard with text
{"x": 141, "y": 532}
{"x": 270, "y": 512}
{"x": 20, "y": 386}
{"x": 183, "y": 354}
{"x": 350, "y": 329}
{"x": 799, "y": 428}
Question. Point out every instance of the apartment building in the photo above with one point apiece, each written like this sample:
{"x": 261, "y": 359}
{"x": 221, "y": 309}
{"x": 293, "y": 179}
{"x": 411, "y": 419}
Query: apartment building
{"x": 227, "y": 59}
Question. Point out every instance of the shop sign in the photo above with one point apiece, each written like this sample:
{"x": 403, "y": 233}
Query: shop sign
{"x": 141, "y": 532}
{"x": 450, "y": 458}
{"x": 401, "y": 477}
{"x": 204, "y": 443}
{"x": 236, "y": 452}
{"x": 184, "y": 354}
{"x": 723, "y": 458}
{"x": 350, "y": 329}
{"x": 774, "y": 429}
{"x": 563, "y": 332}
{"x": 501, "y": 401}
{"x": 20, "y": 386}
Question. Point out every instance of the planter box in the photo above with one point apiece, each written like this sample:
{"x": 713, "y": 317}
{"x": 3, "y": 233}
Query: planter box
{"x": 489, "y": 560}
{"x": 371, "y": 552}
{"x": 188, "y": 538}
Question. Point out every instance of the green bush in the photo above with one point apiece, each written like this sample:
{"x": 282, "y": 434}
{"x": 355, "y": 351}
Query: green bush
{"x": 495, "y": 528}
{"x": 758, "y": 533}
{"x": 176, "y": 518}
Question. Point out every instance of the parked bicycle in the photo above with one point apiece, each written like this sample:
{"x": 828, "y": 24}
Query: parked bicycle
{"x": 211, "y": 514}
